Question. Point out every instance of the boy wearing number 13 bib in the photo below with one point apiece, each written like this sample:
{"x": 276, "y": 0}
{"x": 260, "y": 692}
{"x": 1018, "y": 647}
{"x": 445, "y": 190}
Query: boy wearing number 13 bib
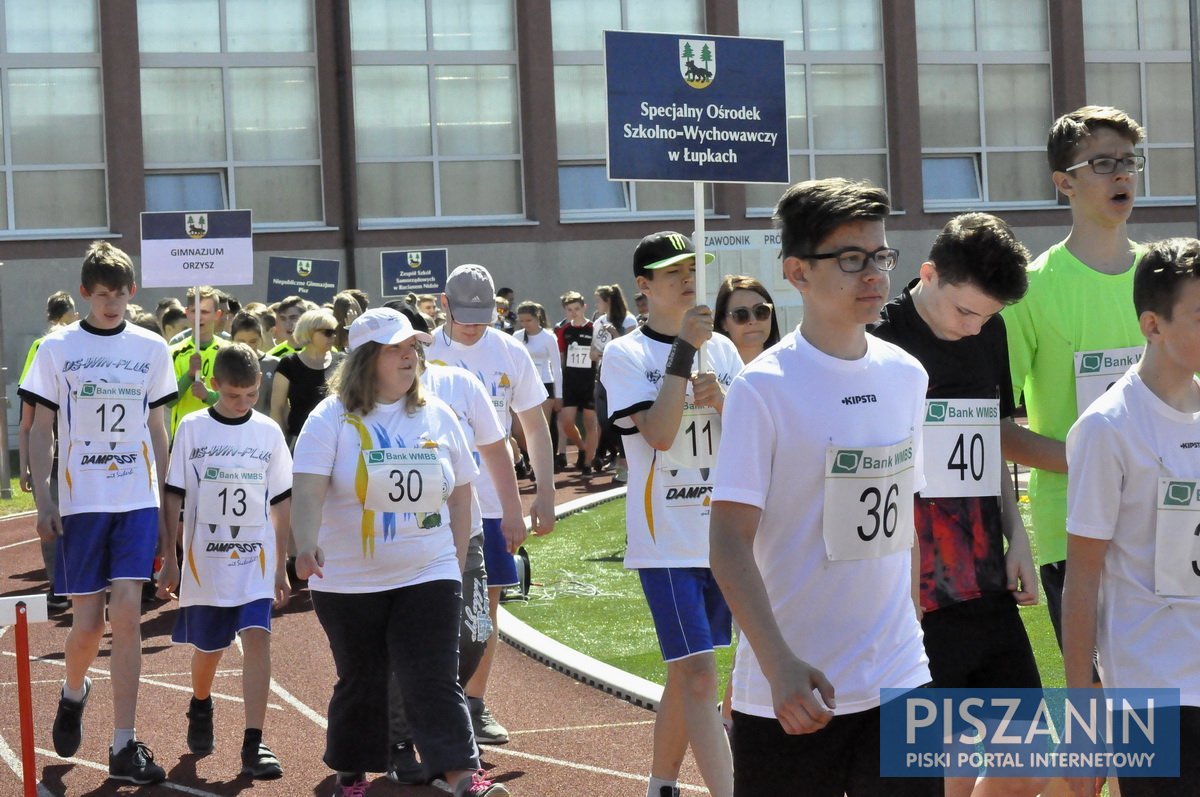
{"x": 812, "y": 517}
{"x": 1133, "y": 588}
{"x": 232, "y": 465}
{"x": 970, "y": 585}
{"x": 670, "y": 417}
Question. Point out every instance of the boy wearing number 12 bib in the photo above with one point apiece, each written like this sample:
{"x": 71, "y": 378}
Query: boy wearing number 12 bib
{"x": 948, "y": 318}
{"x": 812, "y": 522}
{"x": 668, "y": 407}
{"x": 232, "y": 465}
{"x": 1133, "y": 589}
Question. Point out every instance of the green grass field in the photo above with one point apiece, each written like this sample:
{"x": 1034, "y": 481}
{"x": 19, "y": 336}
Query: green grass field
{"x": 20, "y": 502}
{"x": 585, "y": 598}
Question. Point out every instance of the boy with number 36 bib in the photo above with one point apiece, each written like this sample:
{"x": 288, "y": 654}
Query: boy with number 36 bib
{"x": 812, "y": 514}
{"x": 232, "y": 465}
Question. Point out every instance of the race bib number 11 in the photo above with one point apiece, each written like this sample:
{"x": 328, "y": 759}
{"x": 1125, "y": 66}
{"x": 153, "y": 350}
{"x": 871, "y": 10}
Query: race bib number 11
{"x": 868, "y": 501}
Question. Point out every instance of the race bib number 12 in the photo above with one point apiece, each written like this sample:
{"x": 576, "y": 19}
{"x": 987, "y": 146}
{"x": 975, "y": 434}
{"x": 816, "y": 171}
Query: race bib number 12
{"x": 868, "y": 501}
{"x": 107, "y": 412}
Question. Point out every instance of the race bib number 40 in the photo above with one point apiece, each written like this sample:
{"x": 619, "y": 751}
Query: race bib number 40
{"x": 962, "y": 448}
{"x": 1096, "y": 371}
{"x": 868, "y": 501}
{"x": 107, "y": 412}
{"x": 232, "y": 497}
{"x": 404, "y": 480}
{"x": 1177, "y": 538}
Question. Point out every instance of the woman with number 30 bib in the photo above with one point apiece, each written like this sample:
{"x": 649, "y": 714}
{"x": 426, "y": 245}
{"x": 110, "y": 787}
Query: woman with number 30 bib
{"x": 382, "y": 517}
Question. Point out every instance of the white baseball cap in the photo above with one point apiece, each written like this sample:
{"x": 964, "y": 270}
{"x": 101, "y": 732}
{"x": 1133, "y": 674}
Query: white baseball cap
{"x": 384, "y": 325}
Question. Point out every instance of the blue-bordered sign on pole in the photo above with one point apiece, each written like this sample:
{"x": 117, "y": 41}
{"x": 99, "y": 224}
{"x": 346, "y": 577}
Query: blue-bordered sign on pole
{"x": 695, "y": 108}
{"x": 197, "y": 247}
{"x": 412, "y": 271}
{"x": 315, "y": 280}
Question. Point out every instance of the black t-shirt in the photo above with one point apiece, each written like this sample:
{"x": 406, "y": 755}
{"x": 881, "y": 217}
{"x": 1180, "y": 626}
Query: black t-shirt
{"x": 581, "y": 336}
{"x": 962, "y": 543}
{"x": 306, "y": 388}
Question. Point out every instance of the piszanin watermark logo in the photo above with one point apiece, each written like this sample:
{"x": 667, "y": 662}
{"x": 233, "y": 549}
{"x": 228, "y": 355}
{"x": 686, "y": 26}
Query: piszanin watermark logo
{"x": 1020, "y": 733}
{"x": 704, "y": 51}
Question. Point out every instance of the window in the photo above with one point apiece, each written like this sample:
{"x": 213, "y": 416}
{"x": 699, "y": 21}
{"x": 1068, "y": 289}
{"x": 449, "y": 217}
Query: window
{"x": 585, "y": 191}
{"x": 436, "y": 112}
{"x": 1138, "y": 59}
{"x": 53, "y": 163}
{"x": 984, "y": 80}
{"x": 833, "y": 51}
{"x": 229, "y": 108}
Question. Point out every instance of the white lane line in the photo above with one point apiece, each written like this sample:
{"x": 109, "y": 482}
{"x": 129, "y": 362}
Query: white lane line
{"x": 11, "y": 758}
{"x": 104, "y": 768}
{"x": 15, "y": 544}
{"x": 294, "y": 702}
{"x": 489, "y": 750}
{"x": 566, "y": 728}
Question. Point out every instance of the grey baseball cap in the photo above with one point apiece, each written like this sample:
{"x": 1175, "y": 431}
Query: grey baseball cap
{"x": 471, "y": 295}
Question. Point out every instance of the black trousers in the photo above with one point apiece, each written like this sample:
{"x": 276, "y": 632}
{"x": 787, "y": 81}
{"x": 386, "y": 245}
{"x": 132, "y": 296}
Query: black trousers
{"x": 414, "y": 632}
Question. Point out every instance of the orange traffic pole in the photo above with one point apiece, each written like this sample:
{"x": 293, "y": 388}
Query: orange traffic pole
{"x": 25, "y": 701}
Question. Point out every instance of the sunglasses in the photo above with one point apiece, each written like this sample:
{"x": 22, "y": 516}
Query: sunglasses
{"x": 329, "y": 333}
{"x": 741, "y": 315}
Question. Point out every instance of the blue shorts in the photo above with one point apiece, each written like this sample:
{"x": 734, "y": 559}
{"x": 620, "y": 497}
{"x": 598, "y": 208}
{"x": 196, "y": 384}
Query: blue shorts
{"x": 97, "y": 548}
{"x": 500, "y": 565}
{"x": 212, "y": 628}
{"x": 689, "y": 611}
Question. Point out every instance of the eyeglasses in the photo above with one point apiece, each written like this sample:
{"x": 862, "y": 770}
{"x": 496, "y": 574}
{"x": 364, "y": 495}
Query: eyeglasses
{"x": 741, "y": 315}
{"x": 852, "y": 259}
{"x": 1134, "y": 164}
{"x": 329, "y": 333}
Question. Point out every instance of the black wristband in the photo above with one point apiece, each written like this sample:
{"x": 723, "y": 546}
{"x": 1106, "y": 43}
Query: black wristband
{"x": 679, "y": 361}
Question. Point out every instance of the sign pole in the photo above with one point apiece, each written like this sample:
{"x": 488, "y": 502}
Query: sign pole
{"x": 698, "y": 242}
{"x": 25, "y": 701}
{"x": 196, "y": 330}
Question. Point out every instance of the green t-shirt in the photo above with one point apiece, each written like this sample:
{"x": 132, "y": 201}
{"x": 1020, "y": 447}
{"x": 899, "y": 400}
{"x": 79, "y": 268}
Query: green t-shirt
{"x": 282, "y": 350}
{"x": 33, "y": 347}
{"x": 1069, "y": 308}
{"x": 181, "y": 355}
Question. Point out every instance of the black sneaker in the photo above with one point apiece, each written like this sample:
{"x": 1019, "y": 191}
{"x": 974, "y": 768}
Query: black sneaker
{"x": 560, "y": 463}
{"x": 260, "y": 763}
{"x": 68, "y": 722}
{"x": 403, "y": 766}
{"x": 585, "y": 469}
{"x": 135, "y": 763}
{"x": 57, "y": 603}
{"x": 200, "y": 726}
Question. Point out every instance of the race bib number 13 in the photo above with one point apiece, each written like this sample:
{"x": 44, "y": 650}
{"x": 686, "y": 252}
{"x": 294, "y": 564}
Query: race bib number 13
{"x": 231, "y": 497}
{"x": 868, "y": 501}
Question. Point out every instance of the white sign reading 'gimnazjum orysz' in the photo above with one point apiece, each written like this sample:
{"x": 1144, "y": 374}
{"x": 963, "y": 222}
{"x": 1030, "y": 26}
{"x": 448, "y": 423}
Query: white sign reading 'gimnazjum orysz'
{"x": 695, "y": 108}
{"x": 1019, "y": 733}
{"x": 205, "y": 247}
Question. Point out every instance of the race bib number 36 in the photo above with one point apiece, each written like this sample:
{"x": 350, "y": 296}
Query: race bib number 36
{"x": 1096, "y": 371}
{"x": 868, "y": 501}
{"x": 1177, "y": 538}
{"x": 404, "y": 480}
{"x": 231, "y": 497}
{"x": 962, "y": 448}
{"x": 107, "y": 412}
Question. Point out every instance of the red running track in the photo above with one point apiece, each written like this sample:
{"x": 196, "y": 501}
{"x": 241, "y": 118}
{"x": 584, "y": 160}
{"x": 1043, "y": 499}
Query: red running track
{"x": 567, "y": 738}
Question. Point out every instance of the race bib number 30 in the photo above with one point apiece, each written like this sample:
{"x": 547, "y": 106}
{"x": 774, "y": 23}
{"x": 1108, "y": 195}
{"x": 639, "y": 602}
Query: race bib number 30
{"x": 107, "y": 412}
{"x": 696, "y": 442}
{"x": 232, "y": 497}
{"x": 962, "y": 448}
{"x": 1177, "y": 538}
{"x": 1096, "y": 371}
{"x": 404, "y": 480}
{"x": 868, "y": 501}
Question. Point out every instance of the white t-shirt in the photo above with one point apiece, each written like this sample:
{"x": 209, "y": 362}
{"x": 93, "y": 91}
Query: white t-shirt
{"x": 367, "y": 550}
{"x": 852, "y": 619}
{"x": 464, "y": 394}
{"x": 103, "y": 384}
{"x": 603, "y": 333}
{"x": 543, "y": 348}
{"x": 1117, "y": 451}
{"x": 506, "y": 371}
{"x": 666, "y": 516}
{"x": 231, "y": 472}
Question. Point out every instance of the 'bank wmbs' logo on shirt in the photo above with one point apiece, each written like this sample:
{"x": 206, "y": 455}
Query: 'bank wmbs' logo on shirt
{"x": 212, "y": 474}
{"x": 374, "y": 457}
{"x": 935, "y": 412}
{"x": 87, "y": 391}
{"x": 1179, "y": 494}
{"x": 1091, "y": 362}
{"x": 847, "y": 461}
